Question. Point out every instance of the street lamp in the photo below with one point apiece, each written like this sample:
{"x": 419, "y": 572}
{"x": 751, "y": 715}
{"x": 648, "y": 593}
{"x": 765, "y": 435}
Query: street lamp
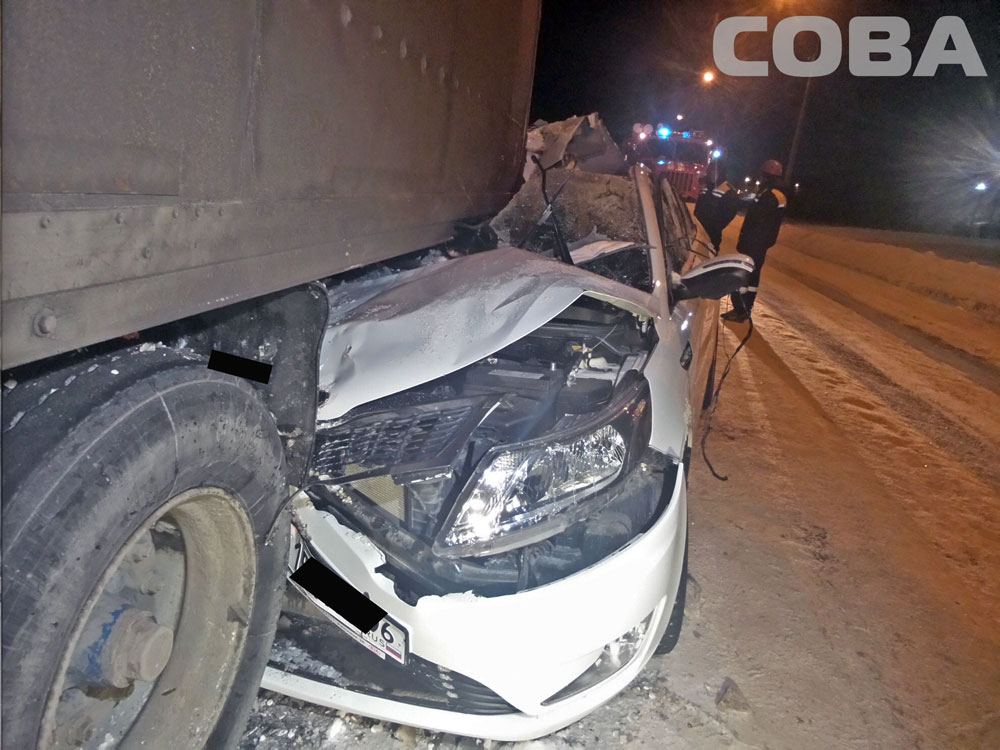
{"x": 680, "y": 117}
{"x": 793, "y": 152}
{"x": 708, "y": 76}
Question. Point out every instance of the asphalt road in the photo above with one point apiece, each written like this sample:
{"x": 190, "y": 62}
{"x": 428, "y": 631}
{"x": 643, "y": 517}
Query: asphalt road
{"x": 846, "y": 577}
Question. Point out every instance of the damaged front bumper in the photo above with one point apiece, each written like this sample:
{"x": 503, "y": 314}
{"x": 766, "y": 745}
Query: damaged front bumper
{"x": 551, "y": 654}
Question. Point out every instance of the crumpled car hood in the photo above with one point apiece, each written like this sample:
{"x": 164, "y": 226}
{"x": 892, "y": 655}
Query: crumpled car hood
{"x": 395, "y": 332}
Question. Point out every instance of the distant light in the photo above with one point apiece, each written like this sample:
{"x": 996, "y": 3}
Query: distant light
{"x": 708, "y": 142}
{"x": 757, "y": 182}
{"x": 680, "y": 117}
{"x": 642, "y": 164}
{"x": 746, "y": 179}
{"x": 716, "y": 154}
{"x": 708, "y": 77}
{"x": 663, "y": 132}
{"x": 796, "y": 186}
{"x": 661, "y": 162}
{"x": 642, "y": 136}
{"x": 686, "y": 134}
{"x": 981, "y": 186}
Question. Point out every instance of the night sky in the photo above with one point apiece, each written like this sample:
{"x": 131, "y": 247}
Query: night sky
{"x": 890, "y": 152}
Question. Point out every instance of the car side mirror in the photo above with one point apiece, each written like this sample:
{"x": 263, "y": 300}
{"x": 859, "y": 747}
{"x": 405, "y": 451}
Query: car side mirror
{"x": 714, "y": 279}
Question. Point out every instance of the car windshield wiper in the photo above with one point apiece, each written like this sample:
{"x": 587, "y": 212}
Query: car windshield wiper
{"x": 562, "y": 249}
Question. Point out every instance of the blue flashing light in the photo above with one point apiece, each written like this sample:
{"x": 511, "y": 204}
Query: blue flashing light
{"x": 663, "y": 132}
{"x": 686, "y": 134}
{"x": 716, "y": 154}
{"x": 981, "y": 186}
{"x": 661, "y": 162}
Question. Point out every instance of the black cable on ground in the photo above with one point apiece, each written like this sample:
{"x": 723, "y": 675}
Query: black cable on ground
{"x": 715, "y": 403}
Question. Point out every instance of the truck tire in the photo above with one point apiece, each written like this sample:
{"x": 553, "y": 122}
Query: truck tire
{"x": 141, "y": 585}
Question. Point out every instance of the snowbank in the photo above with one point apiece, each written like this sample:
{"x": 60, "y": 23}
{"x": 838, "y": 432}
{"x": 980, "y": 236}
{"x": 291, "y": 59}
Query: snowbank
{"x": 967, "y": 284}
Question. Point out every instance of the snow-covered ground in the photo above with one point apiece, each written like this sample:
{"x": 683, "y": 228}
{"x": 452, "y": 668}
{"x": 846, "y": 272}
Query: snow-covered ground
{"x": 846, "y": 578}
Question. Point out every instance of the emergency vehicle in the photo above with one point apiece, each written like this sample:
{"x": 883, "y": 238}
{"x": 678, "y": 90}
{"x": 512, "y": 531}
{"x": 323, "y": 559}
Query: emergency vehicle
{"x": 683, "y": 156}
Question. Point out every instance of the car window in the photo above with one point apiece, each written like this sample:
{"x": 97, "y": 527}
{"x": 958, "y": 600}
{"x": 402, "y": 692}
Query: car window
{"x": 630, "y": 266}
{"x": 676, "y": 225}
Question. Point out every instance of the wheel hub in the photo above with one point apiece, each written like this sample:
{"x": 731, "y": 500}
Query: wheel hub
{"x": 138, "y": 648}
{"x": 175, "y": 579}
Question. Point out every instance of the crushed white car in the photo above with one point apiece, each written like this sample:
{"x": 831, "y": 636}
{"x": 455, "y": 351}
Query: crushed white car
{"x": 500, "y": 466}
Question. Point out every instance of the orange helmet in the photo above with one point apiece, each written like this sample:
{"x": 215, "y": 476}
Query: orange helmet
{"x": 771, "y": 167}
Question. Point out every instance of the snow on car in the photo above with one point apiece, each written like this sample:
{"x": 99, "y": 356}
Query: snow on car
{"x": 499, "y": 466}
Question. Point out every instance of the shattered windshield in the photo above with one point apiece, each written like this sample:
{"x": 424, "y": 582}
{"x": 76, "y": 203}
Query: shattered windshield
{"x": 590, "y": 207}
{"x": 588, "y": 204}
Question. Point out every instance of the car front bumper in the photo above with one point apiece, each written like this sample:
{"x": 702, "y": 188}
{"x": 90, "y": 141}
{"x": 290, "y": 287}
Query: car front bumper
{"x": 525, "y": 647}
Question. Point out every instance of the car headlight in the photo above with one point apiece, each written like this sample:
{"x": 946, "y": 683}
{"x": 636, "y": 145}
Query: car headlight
{"x": 524, "y": 493}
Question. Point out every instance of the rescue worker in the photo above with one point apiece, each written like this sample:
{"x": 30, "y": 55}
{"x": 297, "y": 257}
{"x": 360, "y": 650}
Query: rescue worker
{"x": 759, "y": 232}
{"x": 716, "y": 207}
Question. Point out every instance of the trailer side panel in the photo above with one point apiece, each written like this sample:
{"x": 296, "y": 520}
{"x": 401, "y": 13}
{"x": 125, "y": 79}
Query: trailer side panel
{"x": 160, "y": 161}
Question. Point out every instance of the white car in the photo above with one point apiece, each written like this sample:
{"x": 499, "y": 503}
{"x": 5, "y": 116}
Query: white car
{"x": 497, "y": 517}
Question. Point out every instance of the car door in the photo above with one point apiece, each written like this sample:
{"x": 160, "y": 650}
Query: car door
{"x": 696, "y": 319}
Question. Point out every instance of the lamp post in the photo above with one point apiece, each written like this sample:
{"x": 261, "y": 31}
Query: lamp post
{"x": 793, "y": 152}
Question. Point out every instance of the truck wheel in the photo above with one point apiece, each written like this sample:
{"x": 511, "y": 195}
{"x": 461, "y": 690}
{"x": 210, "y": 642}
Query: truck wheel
{"x": 141, "y": 588}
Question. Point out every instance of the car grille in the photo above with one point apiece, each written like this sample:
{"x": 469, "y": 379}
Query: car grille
{"x": 309, "y": 645}
{"x": 397, "y": 441}
{"x": 461, "y": 693}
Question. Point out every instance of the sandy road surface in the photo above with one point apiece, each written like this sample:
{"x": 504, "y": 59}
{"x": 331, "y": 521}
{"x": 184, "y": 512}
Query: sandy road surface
{"x": 847, "y": 575}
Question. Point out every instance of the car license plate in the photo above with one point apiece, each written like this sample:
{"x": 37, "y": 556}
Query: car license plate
{"x": 387, "y": 640}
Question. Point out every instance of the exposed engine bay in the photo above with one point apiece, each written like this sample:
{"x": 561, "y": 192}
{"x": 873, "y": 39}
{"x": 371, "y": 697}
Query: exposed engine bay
{"x": 507, "y": 474}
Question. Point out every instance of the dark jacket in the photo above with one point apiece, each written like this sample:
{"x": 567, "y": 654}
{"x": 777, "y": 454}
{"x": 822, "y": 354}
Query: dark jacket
{"x": 715, "y": 208}
{"x": 762, "y": 222}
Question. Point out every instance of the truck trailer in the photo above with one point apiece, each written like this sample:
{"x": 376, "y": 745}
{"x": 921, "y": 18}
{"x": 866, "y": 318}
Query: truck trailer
{"x": 271, "y": 314}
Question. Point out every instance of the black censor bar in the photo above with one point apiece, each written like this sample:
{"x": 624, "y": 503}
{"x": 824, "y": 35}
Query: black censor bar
{"x": 241, "y": 367}
{"x": 338, "y": 595}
